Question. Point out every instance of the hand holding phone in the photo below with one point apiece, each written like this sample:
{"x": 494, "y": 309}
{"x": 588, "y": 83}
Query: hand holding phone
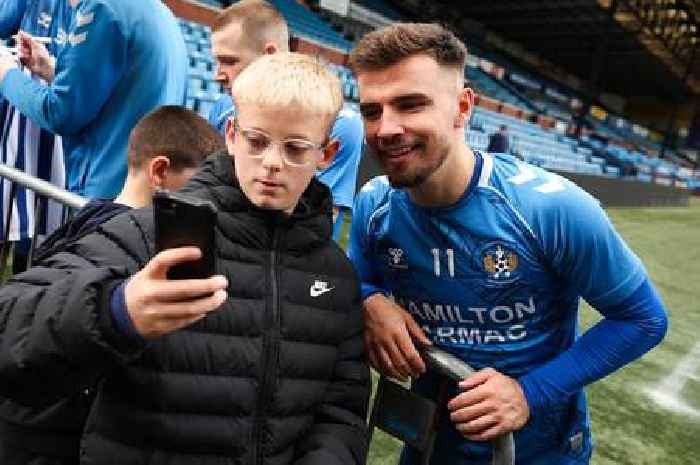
{"x": 158, "y": 306}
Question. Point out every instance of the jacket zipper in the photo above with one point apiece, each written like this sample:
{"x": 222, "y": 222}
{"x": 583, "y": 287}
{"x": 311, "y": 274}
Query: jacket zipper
{"x": 269, "y": 355}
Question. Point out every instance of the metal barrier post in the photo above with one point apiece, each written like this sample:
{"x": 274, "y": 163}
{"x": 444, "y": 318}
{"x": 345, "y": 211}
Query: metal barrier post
{"x": 42, "y": 189}
{"x": 41, "y": 203}
{"x": 5, "y": 256}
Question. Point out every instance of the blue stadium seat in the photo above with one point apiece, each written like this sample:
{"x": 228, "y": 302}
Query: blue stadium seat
{"x": 537, "y": 145}
{"x": 382, "y": 8}
{"x": 307, "y": 24}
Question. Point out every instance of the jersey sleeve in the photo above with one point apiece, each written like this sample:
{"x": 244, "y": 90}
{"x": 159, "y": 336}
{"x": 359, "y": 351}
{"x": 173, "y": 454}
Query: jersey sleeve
{"x": 584, "y": 248}
{"x": 11, "y": 13}
{"x": 222, "y": 109}
{"x": 360, "y": 249}
{"x": 341, "y": 175}
{"x": 629, "y": 330}
{"x": 87, "y": 70}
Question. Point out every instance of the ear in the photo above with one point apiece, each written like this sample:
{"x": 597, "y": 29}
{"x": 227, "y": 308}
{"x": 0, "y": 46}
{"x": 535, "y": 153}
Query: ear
{"x": 328, "y": 153}
{"x": 464, "y": 107}
{"x": 270, "y": 48}
{"x": 230, "y": 131}
{"x": 158, "y": 171}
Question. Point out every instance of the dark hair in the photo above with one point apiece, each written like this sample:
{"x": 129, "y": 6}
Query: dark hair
{"x": 176, "y": 132}
{"x": 260, "y": 21}
{"x": 389, "y": 45}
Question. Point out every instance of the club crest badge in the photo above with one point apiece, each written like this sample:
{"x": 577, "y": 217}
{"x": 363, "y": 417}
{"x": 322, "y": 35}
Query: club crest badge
{"x": 499, "y": 262}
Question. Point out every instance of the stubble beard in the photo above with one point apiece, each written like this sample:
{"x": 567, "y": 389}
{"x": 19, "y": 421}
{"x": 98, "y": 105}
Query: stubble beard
{"x": 418, "y": 175}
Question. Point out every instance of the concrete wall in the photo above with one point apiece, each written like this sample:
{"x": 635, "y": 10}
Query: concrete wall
{"x": 611, "y": 192}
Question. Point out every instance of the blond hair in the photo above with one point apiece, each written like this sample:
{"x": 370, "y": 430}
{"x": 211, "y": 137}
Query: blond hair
{"x": 290, "y": 79}
{"x": 259, "y": 20}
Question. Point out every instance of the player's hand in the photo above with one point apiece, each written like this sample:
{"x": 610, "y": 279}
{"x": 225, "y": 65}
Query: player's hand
{"x": 491, "y": 405}
{"x": 158, "y": 306}
{"x": 389, "y": 335}
{"x": 35, "y": 56}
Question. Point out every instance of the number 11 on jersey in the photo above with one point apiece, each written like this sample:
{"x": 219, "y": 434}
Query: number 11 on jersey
{"x": 450, "y": 261}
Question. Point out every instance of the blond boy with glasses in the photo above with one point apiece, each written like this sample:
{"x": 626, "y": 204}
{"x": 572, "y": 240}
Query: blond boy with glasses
{"x": 261, "y": 364}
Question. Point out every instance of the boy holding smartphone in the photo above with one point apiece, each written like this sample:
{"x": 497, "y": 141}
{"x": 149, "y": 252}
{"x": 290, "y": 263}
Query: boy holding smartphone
{"x": 262, "y": 364}
{"x": 166, "y": 148}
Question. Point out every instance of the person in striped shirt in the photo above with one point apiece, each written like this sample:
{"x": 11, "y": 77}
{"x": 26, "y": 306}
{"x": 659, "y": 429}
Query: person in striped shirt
{"x": 24, "y": 144}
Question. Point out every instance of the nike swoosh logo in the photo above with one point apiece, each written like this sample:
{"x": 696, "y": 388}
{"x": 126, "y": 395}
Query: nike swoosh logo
{"x": 315, "y": 292}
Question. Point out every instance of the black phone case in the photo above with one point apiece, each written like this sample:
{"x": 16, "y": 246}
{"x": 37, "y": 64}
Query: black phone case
{"x": 183, "y": 221}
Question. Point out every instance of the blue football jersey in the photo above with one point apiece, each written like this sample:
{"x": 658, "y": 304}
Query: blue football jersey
{"x": 496, "y": 279}
{"x": 220, "y": 112}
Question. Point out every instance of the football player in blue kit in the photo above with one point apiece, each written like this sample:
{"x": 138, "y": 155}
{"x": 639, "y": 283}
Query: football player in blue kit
{"x": 486, "y": 257}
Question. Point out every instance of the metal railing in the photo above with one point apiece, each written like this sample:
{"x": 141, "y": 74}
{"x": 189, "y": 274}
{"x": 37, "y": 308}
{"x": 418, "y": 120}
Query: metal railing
{"x": 43, "y": 192}
{"x": 415, "y": 420}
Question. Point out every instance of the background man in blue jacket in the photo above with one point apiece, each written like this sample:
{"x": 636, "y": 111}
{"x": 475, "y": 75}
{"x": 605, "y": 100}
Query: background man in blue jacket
{"x": 122, "y": 59}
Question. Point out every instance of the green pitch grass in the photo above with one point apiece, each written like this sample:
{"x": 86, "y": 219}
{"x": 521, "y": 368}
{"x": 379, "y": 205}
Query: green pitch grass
{"x": 629, "y": 427}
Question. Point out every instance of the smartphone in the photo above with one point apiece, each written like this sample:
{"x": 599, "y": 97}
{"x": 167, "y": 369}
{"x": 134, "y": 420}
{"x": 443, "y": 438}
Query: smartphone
{"x": 185, "y": 221}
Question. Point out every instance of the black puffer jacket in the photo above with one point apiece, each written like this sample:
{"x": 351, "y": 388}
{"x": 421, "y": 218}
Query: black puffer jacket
{"x": 277, "y": 375}
{"x": 40, "y": 426}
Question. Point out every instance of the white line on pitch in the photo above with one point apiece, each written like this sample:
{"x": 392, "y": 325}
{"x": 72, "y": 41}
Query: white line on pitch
{"x": 668, "y": 392}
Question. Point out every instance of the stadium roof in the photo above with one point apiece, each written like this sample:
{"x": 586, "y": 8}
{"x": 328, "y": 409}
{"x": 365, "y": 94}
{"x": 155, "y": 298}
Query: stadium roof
{"x": 650, "y": 43}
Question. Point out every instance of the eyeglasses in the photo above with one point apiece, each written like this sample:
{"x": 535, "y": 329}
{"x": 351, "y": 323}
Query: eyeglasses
{"x": 295, "y": 152}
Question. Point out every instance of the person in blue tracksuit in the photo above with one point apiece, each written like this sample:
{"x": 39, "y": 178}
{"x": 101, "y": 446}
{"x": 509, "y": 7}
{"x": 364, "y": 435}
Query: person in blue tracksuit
{"x": 486, "y": 257}
{"x": 234, "y": 51}
{"x": 122, "y": 58}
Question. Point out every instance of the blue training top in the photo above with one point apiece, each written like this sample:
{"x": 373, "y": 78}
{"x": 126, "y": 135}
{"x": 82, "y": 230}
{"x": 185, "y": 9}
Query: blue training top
{"x": 496, "y": 279}
{"x": 122, "y": 59}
